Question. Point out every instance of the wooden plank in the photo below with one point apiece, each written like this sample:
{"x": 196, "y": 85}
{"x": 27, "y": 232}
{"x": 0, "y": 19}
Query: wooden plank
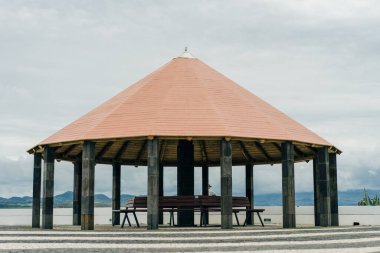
{"x": 265, "y": 153}
{"x": 121, "y": 151}
{"x": 246, "y": 153}
{"x": 204, "y": 151}
{"x": 105, "y": 148}
{"x": 141, "y": 151}
{"x": 69, "y": 149}
{"x": 162, "y": 150}
{"x": 298, "y": 151}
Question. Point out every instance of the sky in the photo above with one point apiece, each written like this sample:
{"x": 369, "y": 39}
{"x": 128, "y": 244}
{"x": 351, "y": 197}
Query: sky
{"x": 317, "y": 61}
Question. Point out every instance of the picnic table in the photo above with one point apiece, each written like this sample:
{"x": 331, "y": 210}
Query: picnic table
{"x": 202, "y": 204}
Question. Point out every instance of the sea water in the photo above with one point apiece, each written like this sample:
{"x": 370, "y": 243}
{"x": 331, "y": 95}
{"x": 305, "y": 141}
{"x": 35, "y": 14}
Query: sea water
{"x": 365, "y": 215}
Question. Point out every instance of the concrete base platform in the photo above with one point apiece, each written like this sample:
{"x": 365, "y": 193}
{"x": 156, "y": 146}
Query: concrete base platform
{"x": 168, "y": 239}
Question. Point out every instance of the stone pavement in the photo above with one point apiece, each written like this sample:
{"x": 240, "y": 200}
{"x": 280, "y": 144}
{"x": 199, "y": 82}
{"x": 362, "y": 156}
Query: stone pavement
{"x": 212, "y": 239}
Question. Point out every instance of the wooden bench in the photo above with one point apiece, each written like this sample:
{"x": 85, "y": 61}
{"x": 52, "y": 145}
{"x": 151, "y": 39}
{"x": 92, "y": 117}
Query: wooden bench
{"x": 202, "y": 204}
{"x": 239, "y": 204}
{"x": 169, "y": 204}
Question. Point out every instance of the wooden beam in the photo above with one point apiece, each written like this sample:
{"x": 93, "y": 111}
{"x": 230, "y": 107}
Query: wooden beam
{"x": 298, "y": 151}
{"x": 79, "y": 156}
{"x": 288, "y": 190}
{"x": 261, "y": 148}
{"x": 226, "y": 184}
{"x": 141, "y": 151}
{"x": 116, "y": 179}
{"x": 203, "y": 150}
{"x": 333, "y": 190}
{"x": 249, "y": 192}
{"x": 153, "y": 184}
{"x": 77, "y": 193}
{"x": 324, "y": 187}
{"x": 121, "y": 151}
{"x": 36, "y": 207}
{"x": 48, "y": 189}
{"x": 312, "y": 150}
{"x": 69, "y": 149}
{"x": 246, "y": 154}
{"x": 185, "y": 179}
{"x": 88, "y": 186}
{"x": 104, "y": 150}
{"x": 162, "y": 150}
{"x": 277, "y": 146}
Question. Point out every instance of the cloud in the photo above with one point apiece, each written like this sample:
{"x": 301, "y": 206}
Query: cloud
{"x": 315, "y": 60}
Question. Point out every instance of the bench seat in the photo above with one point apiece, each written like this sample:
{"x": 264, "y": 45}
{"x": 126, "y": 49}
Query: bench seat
{"x": 202, "y": 204}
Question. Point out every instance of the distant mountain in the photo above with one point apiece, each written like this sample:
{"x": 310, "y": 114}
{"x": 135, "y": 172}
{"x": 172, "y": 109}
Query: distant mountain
{"x": 346, "y": 198}
{"x": 61, "y": 200}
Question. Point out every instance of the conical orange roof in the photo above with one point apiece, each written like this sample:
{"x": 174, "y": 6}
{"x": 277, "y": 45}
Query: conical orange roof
{"x": 185, "y": 98}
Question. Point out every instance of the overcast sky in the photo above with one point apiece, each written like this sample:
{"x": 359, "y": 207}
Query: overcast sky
{"x": 317, "y": 61}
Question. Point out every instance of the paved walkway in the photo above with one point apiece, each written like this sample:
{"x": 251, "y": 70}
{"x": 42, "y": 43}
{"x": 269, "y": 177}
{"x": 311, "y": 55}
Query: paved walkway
{"x": 246, "y": 239}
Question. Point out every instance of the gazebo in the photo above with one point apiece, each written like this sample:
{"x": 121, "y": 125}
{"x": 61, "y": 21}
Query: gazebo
{"x": 184, "y": 114}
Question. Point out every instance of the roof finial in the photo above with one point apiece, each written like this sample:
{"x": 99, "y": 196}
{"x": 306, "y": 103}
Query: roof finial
{"x": 186, "y": 54}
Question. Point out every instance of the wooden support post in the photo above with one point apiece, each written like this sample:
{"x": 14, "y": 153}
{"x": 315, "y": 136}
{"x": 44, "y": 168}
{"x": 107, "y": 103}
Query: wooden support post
{"x": 153, "y": 181}
{"x": 88, "y": 185}
{"x": 185, "y": 179}
{"x": 161, "y": 192}
{"x": 48, "y": 189}
{"x": 77, "y": 193}
{"x": 324, "y": 187}
{"x": 333, "y": 190}
{"x": 226, "y": 183}
{"x": 36, "y": 191}
{"x": 116, "y": 177}
{"x": 316, "y": 192}
{"x": 249, "y": 191}
{"x": 288, "y": 195}
{"x": 205, "y": 184}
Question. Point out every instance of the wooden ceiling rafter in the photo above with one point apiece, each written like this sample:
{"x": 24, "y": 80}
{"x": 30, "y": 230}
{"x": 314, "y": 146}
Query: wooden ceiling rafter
{"x": 69, "y": 149}
{"x": 265, "y": 153}
{"x": 141, "y": 151}
{"x": 298, "y": 151}
{"x": 246, "y": 153}
{"x": 202, "y": 144}
{"x": 162, "y": 150}
{"x": 121, "y": 151}
{"x": 104, "y": 150}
